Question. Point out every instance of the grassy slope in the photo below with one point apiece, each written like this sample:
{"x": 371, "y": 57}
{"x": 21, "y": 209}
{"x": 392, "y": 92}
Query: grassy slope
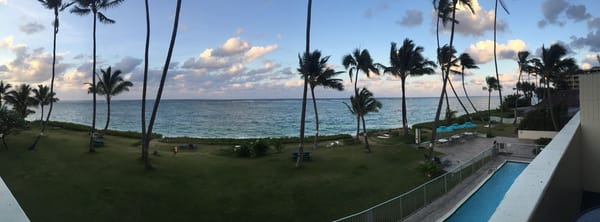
{"x": 62, "y": 182}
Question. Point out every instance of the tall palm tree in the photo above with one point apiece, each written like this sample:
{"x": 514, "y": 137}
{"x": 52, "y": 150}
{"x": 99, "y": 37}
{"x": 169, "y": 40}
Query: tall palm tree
{"x": 319, "y": 75}
{"x": 492, "y": 84}
{"x": 3, "y": 90}
{"x": 56, "y": 6}
{"x": 85, "y": 7}
{"x": 362, "y": 105}
{"x": 446, "y": 58}
{"x": 523, "y": 62}
{"x": 144, "y": 88}
{"x": 495, "y": 52}
{"x": 305, "y": 89}
{"x": 43, "y": 97}
{"x": 146, "y": 142}
{"x": 20, "y": 99}
{"x": 552, "y": 64}
{"x": 466, "y": 62}
{"x": 356, "y": 62}
{"x": 110, "y": 84}
{"x": 454, "y": 3}
{"x": 404, "y": 62}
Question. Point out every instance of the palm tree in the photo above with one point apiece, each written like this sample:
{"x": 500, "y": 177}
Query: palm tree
{"x": 110, "y": 84}
{"x": 305, "y": 89}
{"x": 359, "y": 61}
{"x": 20, "y": 99}
{"x": 446, "y": 58}
{"x": 362, "y": 105}
{"x": 404, "y": 62}
{"x": 523, "y": 62}
{"x": 3, "y": 90}
{"x": 85, "y": 7}
{"x": 552, "y": 64}
{"x": 492, "y": 84}
{"x": 495, "y": 52}
{"x": 319, "y": 75}
{"x": 43, "y": 97}
{"x": 146, "y": 142}
{"x": 56, "y": 6}
{"x": 466, "y": 62}
{"x": 454, "y": 3}
{"x": 144, "y": 88}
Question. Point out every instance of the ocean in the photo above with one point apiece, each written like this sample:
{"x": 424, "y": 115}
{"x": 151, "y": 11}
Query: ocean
{"x": 251, "y": 118}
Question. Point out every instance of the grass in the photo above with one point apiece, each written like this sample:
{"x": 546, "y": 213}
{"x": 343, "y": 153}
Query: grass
{"x": 61, "y": 181}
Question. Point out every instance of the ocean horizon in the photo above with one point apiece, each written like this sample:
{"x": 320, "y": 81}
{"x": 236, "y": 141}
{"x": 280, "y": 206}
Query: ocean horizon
{"x": 252, "y": 118}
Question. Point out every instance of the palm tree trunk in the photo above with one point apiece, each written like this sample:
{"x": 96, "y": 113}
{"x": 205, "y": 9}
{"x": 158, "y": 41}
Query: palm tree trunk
{"x": 42, "y": 115}
{"x": 459, "y": 100}
{"x": 550, "y": 105}
{"x": 164, "y": 75}
{"x": 366, "y": 136}
{"x": 303, "y": 115}
{"x": 93, "y": 129}
{"x": 489, "y": 112}
{"x": 404, "y": 121}
{"x": 356, "y": 96}
{"x": 312, "y": 92}
{"x": 467, "y": 95}
{"x": 517, "y": 99}
{"x": 44, "y": 123}
{"x": 444, "y": 80}
{"x": 145, "y": 145}
{"x": 496, "y": 63}
{"x": 107, "y": 112}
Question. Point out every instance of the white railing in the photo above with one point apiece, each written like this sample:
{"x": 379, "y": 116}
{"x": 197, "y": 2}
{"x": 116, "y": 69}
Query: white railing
{"x": 400, "y": 207}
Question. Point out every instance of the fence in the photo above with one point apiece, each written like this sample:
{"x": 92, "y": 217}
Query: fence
{"x": 400, "y": 207}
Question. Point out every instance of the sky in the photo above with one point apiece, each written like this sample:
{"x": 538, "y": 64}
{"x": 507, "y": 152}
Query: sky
{"x": 248, "y": 49}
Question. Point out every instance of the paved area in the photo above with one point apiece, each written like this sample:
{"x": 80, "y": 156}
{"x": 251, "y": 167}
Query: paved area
{"x": 462, "y": 151}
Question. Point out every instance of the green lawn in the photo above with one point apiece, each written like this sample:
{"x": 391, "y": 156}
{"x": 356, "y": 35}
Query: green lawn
{"x": 61, "y": 181}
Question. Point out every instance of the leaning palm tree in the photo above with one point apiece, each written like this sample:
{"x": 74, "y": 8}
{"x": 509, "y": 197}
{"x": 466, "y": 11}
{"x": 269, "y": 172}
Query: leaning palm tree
{"x": 146, "y": 139}
{"x": 492, "y": 84}
{"x": 356, "y": 62}
{"x": 85, "y": 7}
{"x": 523, "y": 62}
{"x": 550, "y": 65}
{"x": 454, "y": 3}
{"x": 3, "y": 90}
{"x": 404, "y": 62}
{"x": 20, "y": 99}
{"x": 319, "y": 75}
{"x": 42, "y": 97}
{"x": 56, "y": 6}
{"x": 110, "y": 84}
{"x": 466, "y": 62}
{"x": 362, "y": 105}
{"x": 446, "y": 58}
{"x": 495, "y": 52}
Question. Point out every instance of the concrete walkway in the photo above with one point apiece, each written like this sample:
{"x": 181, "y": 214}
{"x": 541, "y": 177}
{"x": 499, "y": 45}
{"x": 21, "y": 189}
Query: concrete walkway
{"x": 461, "y": 152}
{"x": 9, "y": 208}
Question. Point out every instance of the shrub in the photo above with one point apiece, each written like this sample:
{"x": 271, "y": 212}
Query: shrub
{"x": 259, "y": 148}
{"x": 278, "y": 144}
{"x": 540, "y": 118}
{"x": 84, "y": 128}
{"x": 431, "y": 168}
{"x": 242, "y": 150}
{"x": 543, "y": 141}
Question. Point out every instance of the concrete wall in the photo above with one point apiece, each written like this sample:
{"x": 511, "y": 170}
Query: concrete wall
{"x": 589, "y": 96}
{"x": 549, "y": 189}
{"x": 536, "y": 134}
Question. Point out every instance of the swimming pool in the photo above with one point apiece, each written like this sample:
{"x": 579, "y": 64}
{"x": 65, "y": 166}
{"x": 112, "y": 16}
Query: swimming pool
{"x": 482, "y": 203}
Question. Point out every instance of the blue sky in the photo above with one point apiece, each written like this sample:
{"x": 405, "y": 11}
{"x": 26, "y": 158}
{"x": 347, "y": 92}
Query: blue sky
{"x": 234, "y": 49}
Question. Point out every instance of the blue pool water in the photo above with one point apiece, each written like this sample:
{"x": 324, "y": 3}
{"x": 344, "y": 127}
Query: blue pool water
{"x": 481, "y": 205}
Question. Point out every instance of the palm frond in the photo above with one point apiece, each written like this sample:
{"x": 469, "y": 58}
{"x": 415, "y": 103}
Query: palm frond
{"x": 103, "y": 19}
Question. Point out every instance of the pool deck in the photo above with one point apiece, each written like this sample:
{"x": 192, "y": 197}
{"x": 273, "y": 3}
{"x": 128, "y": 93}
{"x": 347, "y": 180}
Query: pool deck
{"x": 461, "y": 152}
{"x": 9, "y": 207}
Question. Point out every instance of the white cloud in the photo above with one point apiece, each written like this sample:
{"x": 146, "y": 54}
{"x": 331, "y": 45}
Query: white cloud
{"x": 483, "y": 51}
{"x": 258, "y": 51}
{"x": 31, "y": 28}
{"x": 3, "y": 2}
{"x": 232, "y": 46}
{"x": 475, "y": 24}
{"x": 411, "y": 18}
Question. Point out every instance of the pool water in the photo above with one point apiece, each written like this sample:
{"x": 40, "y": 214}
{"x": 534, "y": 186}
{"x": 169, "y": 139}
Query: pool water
{"x": 481, "y": 205}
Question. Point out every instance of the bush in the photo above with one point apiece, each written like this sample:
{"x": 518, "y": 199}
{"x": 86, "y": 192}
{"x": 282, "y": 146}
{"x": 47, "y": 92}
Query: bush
{"x": 84, "y": 128}
{"x": 540, "y": 119}
{"x": 509, "y": 102}
{"x": 278, "y": 144}
{"x": 259, "y": 148}
{"x": 242, "y": 150}
{"x": 431, "y": 168}
{"x": 543, "y": 141}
